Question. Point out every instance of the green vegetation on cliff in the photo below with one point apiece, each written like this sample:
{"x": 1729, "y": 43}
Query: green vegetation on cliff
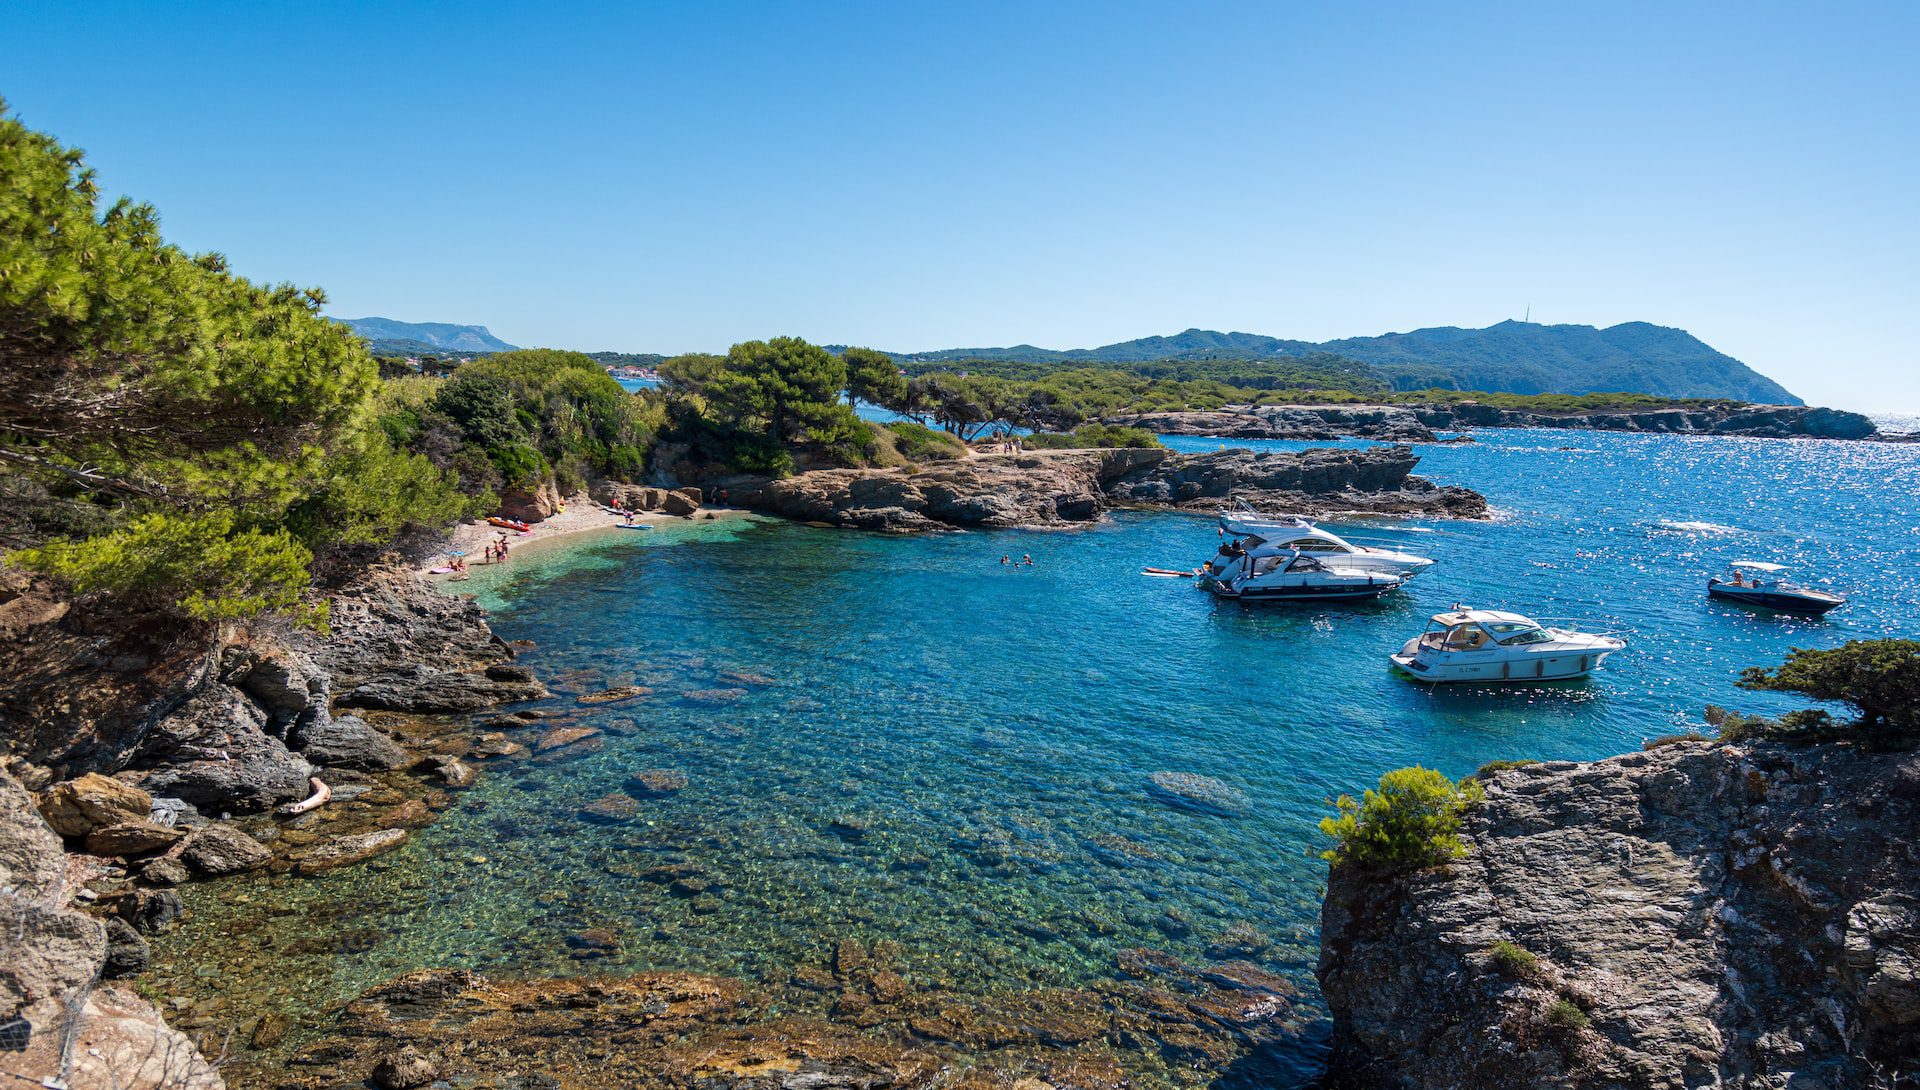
{"x": 1411, "y": 821}
{"x": 1878, "y": 679}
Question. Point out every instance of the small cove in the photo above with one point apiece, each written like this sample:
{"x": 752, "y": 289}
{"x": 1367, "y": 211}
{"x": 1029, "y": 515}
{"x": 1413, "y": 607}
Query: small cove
{"x": 923, "y": 746}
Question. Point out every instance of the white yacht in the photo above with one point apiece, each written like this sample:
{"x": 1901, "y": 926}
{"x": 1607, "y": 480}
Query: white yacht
{"x": 1251, "y": 537}
{"x": 1297, "y": 576}
{"x": 1489, "y": 645}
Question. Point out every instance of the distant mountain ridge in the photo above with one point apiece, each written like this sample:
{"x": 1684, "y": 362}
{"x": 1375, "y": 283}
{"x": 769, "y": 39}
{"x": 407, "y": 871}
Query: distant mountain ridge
{"x": 1510, "y": 357}
{"x": 444, "y": 336}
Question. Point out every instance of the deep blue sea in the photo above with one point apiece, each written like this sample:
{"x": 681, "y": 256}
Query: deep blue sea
{"x": 994, "y": 729}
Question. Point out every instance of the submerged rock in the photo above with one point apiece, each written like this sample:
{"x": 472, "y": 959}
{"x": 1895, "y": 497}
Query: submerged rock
{"x": 658, "y": 781}
{"x": 561, "y": 737}
{"x": 216, "y": 849}
{"x": 344, "y": 850}
{"x": 611, "y": 809}
{"x": 622, "y": 692}
{"x": 1201, "y": 794}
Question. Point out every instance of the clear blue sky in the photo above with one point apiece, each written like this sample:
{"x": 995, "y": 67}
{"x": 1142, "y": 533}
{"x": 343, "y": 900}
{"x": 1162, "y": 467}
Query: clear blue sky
{"x": 652, "y": 177}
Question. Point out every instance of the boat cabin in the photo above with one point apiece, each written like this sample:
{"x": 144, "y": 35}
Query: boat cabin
{"x": 1478, "y": 629}
{"x": 1285, "y": 562}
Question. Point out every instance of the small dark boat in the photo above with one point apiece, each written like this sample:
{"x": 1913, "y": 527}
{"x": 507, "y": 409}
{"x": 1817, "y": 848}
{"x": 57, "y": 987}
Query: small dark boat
{"x": 1757, "y": 583}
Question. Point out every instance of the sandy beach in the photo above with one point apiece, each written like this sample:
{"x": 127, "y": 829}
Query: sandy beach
{"x": 582, "y": 515}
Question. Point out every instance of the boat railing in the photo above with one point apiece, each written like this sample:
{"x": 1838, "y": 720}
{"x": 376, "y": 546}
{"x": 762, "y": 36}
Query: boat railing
{"x": 1586, "y": 626}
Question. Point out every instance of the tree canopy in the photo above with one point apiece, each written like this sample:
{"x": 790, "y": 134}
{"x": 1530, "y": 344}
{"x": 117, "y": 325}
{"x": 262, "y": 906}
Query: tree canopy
{"x": 169, "y": 432}
{"x": 130, "y": 367}
{"x": 1879, "y": 679}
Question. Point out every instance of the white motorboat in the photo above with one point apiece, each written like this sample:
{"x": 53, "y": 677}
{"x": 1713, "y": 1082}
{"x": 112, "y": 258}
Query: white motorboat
{"x": 1251, "y": 537}
{"x": 1490, "y": 645}
{"x": 1299, "y": 577}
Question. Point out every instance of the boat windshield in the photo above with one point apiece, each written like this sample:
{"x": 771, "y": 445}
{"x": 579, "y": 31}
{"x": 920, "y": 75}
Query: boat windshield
{"x": 1317, "y": 545}
{"x": 1524, "y": 635}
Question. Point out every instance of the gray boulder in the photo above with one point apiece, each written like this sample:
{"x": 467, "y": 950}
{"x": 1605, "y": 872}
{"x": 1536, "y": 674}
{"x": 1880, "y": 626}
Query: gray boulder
{"x": 349, "y": 742}
{"x": 424, "y": 690}
{"x": 217, "y": 849}
{"x": 215, "y": 753}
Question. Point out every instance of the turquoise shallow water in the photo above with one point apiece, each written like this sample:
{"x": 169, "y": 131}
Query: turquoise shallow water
{"x": 994, "y": 730}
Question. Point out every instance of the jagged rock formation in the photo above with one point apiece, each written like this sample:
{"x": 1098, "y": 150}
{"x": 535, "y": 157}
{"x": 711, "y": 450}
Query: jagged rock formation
{"x": 1310, "y": 423}
{"x": 1373, "y": 481}
{"x": 1703, "y": 915}
{"x": 1055, "y": 488}
{"x": 238, "y": 723}
{"x": 1417, "y": 423}
{"x": 88, "y": 1034}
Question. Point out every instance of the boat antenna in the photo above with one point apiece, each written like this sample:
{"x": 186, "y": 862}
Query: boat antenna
{"x": 1529, "y": 316}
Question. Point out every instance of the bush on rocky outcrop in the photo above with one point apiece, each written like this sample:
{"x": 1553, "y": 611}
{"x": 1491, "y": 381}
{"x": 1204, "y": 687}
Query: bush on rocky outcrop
{"x": 1092, "y": 435}
{"x": 1563, "y": 1014}
{"x": 1879, "y": 679}
{"x": 1411, "y": 821}
{"x": 919, "y": 443}
{"x": 1492, "y": 767}
{"x": 1513, "y": 960}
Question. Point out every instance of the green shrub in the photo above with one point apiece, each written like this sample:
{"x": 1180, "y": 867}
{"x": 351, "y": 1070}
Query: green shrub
{"x": 1090, "y": 436}
{"x": 919, "y": 443}
{"x": 1879, "y": 679}
{"x": 1673, "y": 739}
{"x": 1562, "y": 1014}
{"x": 1512, "y": 960}
{"x": 520, "y": 466}
{"x": 198, "y": 566}
{"x": 1487, "y": 770}
{"x": 1411, "y": 821}
{"x": 757, "y": 453}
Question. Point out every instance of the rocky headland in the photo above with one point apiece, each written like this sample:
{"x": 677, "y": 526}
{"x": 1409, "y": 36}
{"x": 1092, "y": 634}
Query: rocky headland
{"x": 1063, "y": 488}
{"x": 1697, "y": 915}
{"x": 1421, "y": 422}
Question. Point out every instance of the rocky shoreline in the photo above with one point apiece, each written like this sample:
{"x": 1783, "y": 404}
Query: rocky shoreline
{"x": 1694, "y": 915}
{"x": 194, "y": 755}
{"x": 1066, "y": 488}
{"x": 1421, "y": 423}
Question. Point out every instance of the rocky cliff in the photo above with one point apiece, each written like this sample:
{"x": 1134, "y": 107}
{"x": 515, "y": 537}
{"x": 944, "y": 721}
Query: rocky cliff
{"x": 1419, "y": 422}
{"x": 1054, "y": 488}
{"x": 1698, "y": 915}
